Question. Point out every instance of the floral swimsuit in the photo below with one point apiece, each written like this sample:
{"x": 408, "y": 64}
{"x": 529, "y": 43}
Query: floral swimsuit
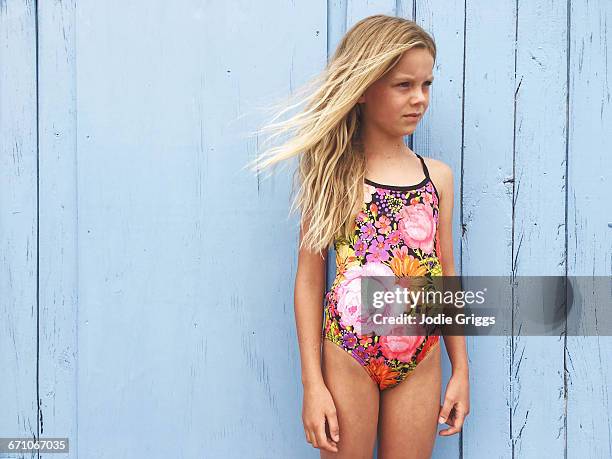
{"x": 396, "y": 234}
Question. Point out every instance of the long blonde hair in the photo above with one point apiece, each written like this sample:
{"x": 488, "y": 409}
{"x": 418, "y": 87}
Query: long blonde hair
{"x": 326, "y": 134}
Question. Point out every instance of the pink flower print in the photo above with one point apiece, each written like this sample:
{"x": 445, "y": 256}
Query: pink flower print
{"x": 368, "y": 191}
{"x": 378, "y": 250}
{"x": 400, "y": 347}
{"x": 434, "y": 197}
{"x": 400, "y": 252}
{"x": 417, "y": 226}
{"x": 349, "y": 292}
{"x": 383, "y": 224}
{"x": 368, "y": 231}
{"x": 387, "y": 308}
{"x": 361, "y": 216}
{"x": 394, "y": 237}
{"x": 381, "y": 192}
{"x": 360, "y": 247}
{"x": 373, "y": 349}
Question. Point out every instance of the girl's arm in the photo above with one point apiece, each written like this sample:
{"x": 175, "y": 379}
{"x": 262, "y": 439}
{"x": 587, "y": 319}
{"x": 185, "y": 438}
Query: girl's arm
{"x": 318, "y": 406}
{"x": 455, "y": 345}
{"x": 456, "y": 401}
{"x": 308, "y": 306}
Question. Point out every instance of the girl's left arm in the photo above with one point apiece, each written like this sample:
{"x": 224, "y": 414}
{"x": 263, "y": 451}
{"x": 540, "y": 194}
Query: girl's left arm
{"x": 456, "y": 400}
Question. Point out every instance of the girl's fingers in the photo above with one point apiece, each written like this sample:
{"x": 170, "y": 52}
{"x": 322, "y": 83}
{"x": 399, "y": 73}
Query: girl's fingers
{"x": 445, "y": 411}
{"x": 460, "y": 418}
{"x": 455, "y": 421}
{"x": 315, "y": 443}
{"x": 308, "y": 437}
{"x": 322, "y": 439}
{"x": 334, "y": 429}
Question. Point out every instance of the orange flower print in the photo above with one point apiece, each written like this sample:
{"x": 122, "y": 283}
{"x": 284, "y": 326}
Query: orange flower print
{"x": 403, "y": 264}
{"x": 374, "y": 209}
{"x": 381, "y": 373}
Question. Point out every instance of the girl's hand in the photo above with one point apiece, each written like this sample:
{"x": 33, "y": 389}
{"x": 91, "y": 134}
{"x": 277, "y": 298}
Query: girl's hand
{"x": 456, "y": 403}
{"x": 317, "y": 408}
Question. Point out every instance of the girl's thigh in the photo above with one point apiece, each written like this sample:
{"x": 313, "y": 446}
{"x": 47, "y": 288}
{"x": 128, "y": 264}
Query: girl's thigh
{"x": 408, "y": 420}
{"x": 356, "y": 397}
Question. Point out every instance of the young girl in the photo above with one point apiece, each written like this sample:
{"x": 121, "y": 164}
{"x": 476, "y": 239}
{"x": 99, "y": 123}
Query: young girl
{"x": 388, "y": 211}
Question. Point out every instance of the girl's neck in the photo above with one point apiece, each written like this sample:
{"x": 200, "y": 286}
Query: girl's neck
{"x": 378, "y": 152}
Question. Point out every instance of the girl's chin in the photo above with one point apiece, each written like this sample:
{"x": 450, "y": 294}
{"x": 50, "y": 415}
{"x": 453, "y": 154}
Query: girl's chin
{"x": 409, "y": 129}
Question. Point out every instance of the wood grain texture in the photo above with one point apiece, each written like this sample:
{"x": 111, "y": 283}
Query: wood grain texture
{"x": 487, "y": 200}
{"x": 589, "y": 209}
{"x": 19, "y": 390}
{"x": 538, "y": 242}
{"x": 58, "y": 222}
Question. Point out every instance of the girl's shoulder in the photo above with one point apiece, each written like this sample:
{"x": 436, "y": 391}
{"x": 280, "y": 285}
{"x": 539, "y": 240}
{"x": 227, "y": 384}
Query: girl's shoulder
{"x": 440, "y": 173}
{"x": 437, "y": 164}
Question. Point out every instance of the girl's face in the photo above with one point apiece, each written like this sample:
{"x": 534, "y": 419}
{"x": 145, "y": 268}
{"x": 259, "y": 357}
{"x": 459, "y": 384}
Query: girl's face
{"x": 402, "y": 91}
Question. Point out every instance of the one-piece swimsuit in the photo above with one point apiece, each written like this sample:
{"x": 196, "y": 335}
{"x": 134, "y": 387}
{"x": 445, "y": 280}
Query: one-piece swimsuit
{"x": 396, "y": 234}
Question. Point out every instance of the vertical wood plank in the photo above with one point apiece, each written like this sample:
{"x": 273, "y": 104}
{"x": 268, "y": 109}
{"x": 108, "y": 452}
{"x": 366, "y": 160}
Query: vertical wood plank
{"x": 488, "y": 134}
{"x": 18, "y": 221}
{"x": 589, "y": 238}
{"x": 58, "y": 222}
{"x": 538, "y": 409}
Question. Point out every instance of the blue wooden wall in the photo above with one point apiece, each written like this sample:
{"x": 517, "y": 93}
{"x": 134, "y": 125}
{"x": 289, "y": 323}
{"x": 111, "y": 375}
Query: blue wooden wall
{"x": 146, "y": 280}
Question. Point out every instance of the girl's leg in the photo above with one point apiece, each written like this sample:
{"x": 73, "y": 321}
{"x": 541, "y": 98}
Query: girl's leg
{"x": 356, "y": 397}
{"x": 408, "y": 422}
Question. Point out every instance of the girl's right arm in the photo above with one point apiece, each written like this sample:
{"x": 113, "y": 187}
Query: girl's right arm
{"x": 308, "y": 297}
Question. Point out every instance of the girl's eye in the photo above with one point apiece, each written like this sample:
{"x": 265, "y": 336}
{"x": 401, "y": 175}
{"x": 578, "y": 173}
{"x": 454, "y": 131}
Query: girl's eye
{"x": 406, "y": 83}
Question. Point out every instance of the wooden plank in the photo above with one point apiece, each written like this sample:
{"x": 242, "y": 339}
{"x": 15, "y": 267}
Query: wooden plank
{"x": 58, "y": 222}
{"x": 538, "y": 410}
{"x": 18, "y": 221}
{"x": 186, "y": 261}
{"x": 488, "y": 133}
{"x": 589, "y": 245}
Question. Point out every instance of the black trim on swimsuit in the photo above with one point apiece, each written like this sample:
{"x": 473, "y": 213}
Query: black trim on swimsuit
{"x": 404, "y": 187}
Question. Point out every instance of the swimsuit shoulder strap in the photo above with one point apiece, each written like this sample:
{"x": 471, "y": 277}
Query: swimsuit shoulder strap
{"x": 425, "y": 170}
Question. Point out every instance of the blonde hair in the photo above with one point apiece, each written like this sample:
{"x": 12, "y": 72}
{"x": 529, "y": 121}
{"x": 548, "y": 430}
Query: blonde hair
{"x": 326, "y": 134}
